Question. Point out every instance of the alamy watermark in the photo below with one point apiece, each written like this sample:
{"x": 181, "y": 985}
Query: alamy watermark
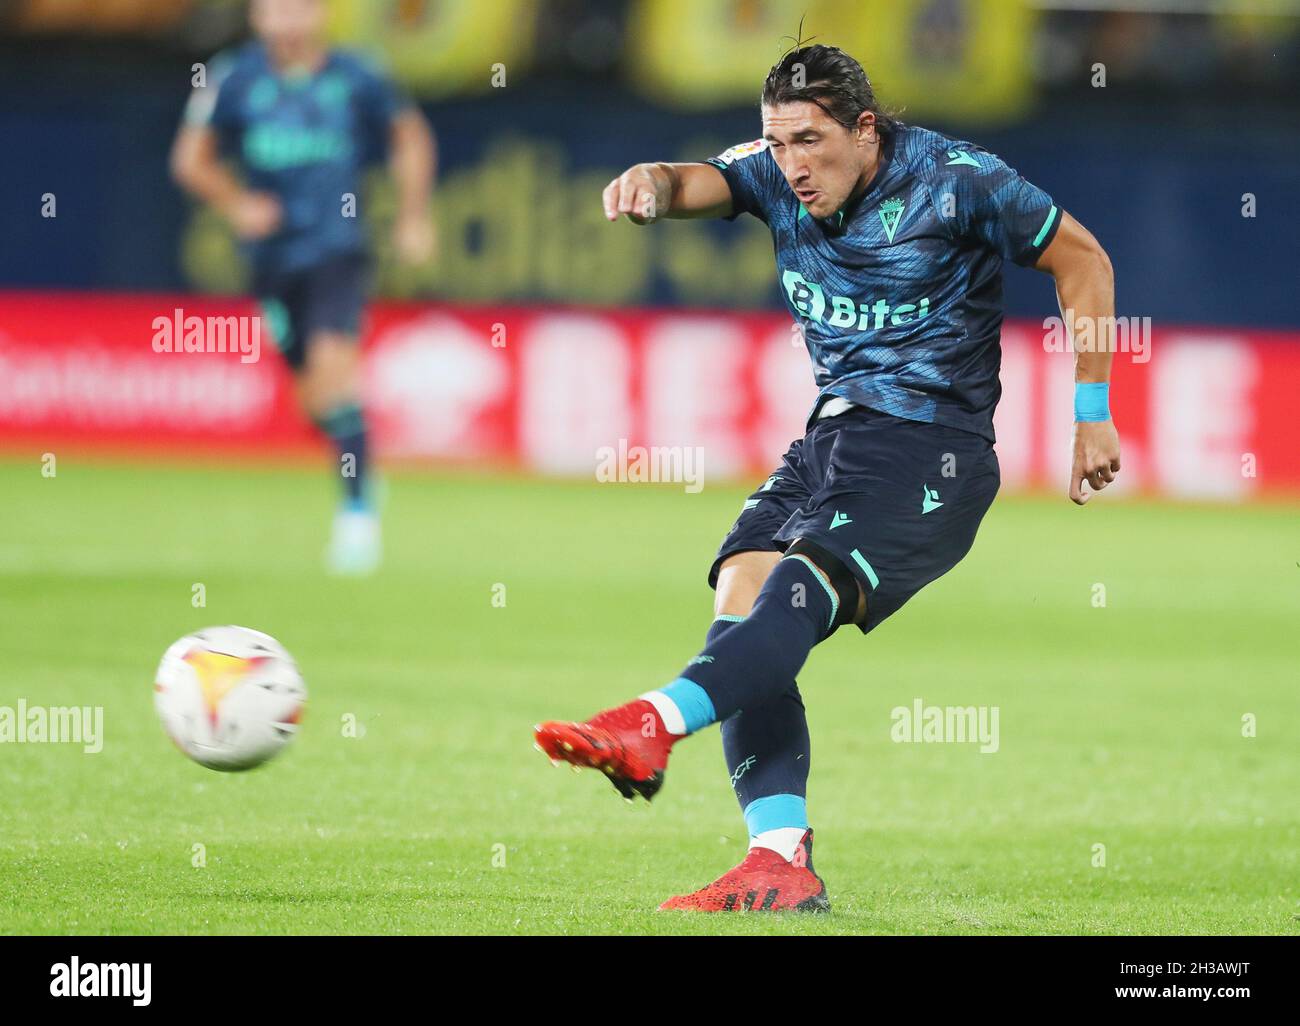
{"x": 947, "y": 724}
{"x": 676, "y": 464}
{"x": 193, "y": 334}
{"x": 57, "y": 724}
{"x": 1098, "y": 335}
{"x": 75, "y": 978}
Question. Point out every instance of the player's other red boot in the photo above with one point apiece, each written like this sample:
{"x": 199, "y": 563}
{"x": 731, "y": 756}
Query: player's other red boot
{"x": 629, "y": 744}
{"x": 763, "y": 882}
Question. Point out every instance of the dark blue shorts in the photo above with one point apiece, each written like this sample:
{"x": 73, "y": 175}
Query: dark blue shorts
{"x": 897, "y": 501}
{"x": 329, "y": 296}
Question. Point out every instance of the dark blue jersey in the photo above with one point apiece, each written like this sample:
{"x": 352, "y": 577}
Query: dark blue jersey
{"x": 900, "y": 293}
{"x": 305, "y": 139}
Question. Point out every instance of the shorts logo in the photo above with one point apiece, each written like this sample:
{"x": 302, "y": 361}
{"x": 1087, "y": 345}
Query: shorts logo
{"x": 839, "y": 520}
{"x": 929, "y": 500}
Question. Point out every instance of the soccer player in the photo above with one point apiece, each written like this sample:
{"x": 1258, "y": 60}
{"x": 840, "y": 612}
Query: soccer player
{"x": 301, "y": 121}
{"x": 889, "y": 241}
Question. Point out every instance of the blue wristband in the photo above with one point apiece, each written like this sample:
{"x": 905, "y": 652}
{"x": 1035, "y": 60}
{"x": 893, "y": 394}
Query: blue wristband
{"x": 1091, "y": 400}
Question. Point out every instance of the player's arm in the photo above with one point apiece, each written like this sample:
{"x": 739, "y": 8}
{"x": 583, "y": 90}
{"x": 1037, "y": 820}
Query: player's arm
{"x": 647, "y": 192}
{"x": 412, "y": 161}
{"x": 197, "y": 167}
{"x": 1085, "y": 289}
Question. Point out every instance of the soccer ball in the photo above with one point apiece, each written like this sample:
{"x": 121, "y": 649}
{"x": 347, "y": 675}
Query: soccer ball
{"x": 230, "y": 697}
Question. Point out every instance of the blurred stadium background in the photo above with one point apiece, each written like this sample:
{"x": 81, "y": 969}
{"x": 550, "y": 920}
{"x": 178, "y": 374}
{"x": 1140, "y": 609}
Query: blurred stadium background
{"x": 1125, "y": 729}
{"x": 1169, "y": 128}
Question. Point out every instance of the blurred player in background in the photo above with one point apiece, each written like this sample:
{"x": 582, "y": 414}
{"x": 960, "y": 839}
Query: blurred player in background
{"x": 301, "y": 120}
{"x": 890, "y": 241}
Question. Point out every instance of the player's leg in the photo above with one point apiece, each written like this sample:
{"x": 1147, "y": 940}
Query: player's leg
{"x": 768, "y": 750}
{"x": 631, "y": 743}
{"x": 330, "y": 391}
{"x": 877, "y": 528}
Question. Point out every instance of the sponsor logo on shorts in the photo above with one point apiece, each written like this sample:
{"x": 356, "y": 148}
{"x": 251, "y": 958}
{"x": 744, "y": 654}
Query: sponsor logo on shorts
{"x": 929, "y": 500}
{"x": 839, "y": 520}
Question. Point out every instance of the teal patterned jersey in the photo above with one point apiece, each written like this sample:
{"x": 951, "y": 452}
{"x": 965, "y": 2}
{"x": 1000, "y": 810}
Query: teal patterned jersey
{"x": 899, "y": 294}
{"x": 306, "y": 139}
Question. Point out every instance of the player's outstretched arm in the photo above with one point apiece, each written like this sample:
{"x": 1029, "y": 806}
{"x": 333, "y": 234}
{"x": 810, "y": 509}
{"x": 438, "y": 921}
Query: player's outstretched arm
{"x": 647, "y": 192}
{"x": 413, "y": 161}
{"x": 1085, "y": 289}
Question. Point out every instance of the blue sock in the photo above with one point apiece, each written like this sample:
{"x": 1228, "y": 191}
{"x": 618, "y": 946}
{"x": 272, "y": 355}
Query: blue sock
{"x": 346, "y": 427}
{"x": 767, "y": 748}
{"x": 750, "y": 663}
{"x": 776, "y": 812}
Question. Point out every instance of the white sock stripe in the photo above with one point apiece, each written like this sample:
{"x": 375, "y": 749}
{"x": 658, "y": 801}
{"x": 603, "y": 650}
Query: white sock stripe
{"x": 667, "y": 710}
{"x": 783, "y": 840}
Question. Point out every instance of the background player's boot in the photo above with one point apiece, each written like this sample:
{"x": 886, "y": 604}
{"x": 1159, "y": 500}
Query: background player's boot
{"x": 629, "y": 744}
{"x": 355, "y": 547}
{"x": 763, "y": 882}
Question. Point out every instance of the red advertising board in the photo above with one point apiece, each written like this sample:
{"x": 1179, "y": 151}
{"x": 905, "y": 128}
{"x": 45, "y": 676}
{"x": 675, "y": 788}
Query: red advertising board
{"x": 1202, "y": 412}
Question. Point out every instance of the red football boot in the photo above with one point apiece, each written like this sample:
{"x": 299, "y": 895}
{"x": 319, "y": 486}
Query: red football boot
{"x": 763, "y": 882}
{"x": 629, "y": 744}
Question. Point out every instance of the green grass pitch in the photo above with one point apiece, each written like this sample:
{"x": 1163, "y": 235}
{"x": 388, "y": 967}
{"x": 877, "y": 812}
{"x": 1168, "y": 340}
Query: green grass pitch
{"x": 1120, "y": 725}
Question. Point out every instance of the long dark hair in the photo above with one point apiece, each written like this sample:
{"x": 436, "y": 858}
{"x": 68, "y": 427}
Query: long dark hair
{"x": 830, "y": 78}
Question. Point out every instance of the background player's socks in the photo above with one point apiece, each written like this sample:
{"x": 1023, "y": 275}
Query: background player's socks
{"x": 751, "y": 662}
{"x": 346, "y": 427}
{"x": 683, "y": 705}
{"x": 355, "y": 544}
{"x": 777, "y": 822}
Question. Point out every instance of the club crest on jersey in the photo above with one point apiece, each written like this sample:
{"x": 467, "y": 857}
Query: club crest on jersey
{"x": 808, "y": 300}
{"x": 891, "y": 212}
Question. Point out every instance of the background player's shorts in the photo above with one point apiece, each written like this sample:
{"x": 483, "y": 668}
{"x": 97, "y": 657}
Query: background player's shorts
{"x": 898, "y": 501}
{"x": 329, "y": 296}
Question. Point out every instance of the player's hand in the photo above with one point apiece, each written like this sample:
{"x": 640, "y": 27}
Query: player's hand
{"x": 414, "y": 238}
{"x": 1096, "y": 458}
{"x": 255, "y": 215}
{"x": 642, "y": 193}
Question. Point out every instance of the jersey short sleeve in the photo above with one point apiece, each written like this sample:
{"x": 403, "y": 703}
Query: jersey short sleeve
{"x": 214, "y": 103}
{"x": 380, "y": 98}
{"x": 755, "y": 181}
{"x": 993, "y": 206}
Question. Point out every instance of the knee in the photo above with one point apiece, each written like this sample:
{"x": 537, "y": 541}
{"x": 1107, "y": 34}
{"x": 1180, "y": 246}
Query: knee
{"x": 740, "y": 578}
{"x": 329, "y": 377}
{"x": 851, "y": 600}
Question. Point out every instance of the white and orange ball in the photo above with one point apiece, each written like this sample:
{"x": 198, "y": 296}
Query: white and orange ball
{"x": 230, "y": 697}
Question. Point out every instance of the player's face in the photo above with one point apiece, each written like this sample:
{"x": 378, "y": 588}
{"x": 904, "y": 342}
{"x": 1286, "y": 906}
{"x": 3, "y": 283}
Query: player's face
{"x": 289, "y": 26}
{"x": 821, "y": 159}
